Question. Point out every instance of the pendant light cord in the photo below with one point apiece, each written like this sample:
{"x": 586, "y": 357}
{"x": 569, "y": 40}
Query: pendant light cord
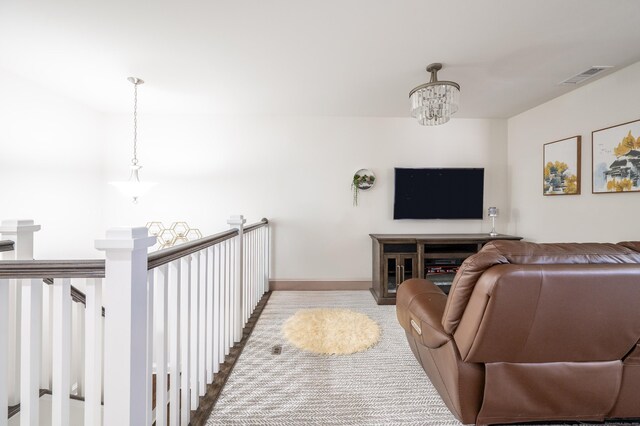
{"x": 134, "y": 161}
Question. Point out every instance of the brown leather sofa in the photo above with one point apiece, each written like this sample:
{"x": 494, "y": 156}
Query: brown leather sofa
{"x": 532, "y": 332}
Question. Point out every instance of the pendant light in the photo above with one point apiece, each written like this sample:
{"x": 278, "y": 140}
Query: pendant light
{"x": 434, "y": 103}
{"x": 133, "y": 187}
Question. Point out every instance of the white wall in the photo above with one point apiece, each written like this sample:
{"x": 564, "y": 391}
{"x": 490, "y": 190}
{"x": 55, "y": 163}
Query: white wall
{"x": 297, "y": 172}
{"x": 57, "y": 156}
{"x": 587, "y": 217}
{"x": 51, "y": 167}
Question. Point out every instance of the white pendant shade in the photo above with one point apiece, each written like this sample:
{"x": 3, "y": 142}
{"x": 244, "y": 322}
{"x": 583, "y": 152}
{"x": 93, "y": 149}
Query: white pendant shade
{"x": 133, "y": 188}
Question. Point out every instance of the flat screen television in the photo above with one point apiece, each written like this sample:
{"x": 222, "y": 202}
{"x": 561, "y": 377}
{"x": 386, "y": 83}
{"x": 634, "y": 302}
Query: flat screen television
{"x": 438, "y": 193}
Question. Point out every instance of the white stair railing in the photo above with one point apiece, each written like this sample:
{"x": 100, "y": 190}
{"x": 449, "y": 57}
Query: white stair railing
{"x": 171, "y": 316}
{"x": 46, "y": 347}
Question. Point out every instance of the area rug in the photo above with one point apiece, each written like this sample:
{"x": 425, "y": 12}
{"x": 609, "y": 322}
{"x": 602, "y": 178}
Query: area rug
{"x": 277, "y": 384}
{"x": 331, "y": 331}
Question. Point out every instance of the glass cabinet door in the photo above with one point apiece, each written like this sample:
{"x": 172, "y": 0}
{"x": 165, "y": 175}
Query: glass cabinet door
{"x": 391, "y": 275}
{"x": 408, "y": 268}
{"x": 398, "y": 268}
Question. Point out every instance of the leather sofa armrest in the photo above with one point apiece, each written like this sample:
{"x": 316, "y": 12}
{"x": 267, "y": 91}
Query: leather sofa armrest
{"x": 419, "y": 307}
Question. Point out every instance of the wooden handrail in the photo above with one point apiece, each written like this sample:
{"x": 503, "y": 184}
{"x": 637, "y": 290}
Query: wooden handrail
{"x": 81, "y": 268}
{"x": 6, "y": 245}
{"x": 170, "y": 254}
{"x": 94, "y": 268}
{"x": 252, "y": 227}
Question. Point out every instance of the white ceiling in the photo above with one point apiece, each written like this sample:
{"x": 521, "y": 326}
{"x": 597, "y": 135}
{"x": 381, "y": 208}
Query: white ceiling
{"x": 330, "y": 57}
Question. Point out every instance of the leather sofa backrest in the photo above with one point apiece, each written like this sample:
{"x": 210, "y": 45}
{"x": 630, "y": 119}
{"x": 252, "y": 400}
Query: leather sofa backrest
{"x": 524, "y": 253}
{"x": 538, "y": 313}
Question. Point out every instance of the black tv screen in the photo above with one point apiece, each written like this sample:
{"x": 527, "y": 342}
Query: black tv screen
{"x": 438, "y": 194}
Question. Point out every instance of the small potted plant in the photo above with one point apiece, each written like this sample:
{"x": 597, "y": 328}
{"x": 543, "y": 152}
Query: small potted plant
{"x": 363, "y": 180}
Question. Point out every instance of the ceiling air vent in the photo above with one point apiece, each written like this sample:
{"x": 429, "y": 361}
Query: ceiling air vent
{"x": 585, "y": 75}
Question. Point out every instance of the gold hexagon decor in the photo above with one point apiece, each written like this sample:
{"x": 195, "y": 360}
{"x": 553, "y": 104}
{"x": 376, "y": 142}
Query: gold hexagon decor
{"x": 180, "y": 228}
{"x": 177, "y": 233}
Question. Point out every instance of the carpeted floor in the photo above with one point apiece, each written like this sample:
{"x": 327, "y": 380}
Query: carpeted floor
{"x": 381, "y": 386}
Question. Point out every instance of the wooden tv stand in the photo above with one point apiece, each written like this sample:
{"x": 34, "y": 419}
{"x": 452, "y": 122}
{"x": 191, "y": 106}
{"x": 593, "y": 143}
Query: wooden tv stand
{"x": 437, "y": 257}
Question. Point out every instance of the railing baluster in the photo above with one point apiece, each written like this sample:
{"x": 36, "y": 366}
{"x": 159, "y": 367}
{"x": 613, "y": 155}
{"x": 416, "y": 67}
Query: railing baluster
{"x": 256, "y": 270}
{"x": 78, "y": 348}
{"x": 259, "y": 253}
{"x": 185, "y": 330}
{"x": 259, "y": 274}
{"x": 232, "y": 294}
{"x": 238, "y": 323}
{"x": 266, "y": 259}
{"x": 195, "y": 317}
{"x": 4, "y": 350}
{"x": 227, "y": 297}
{"x": 253, "y": 269}
{"x": 223, "y": 301}
{"x": 46, "y": 376}
{"x": 217, "y": 315}
{"x": 268, "y": 249}
{"x": 61, "y": 351}
{"x": 31, "y": 342}
{"x": 93, "y": 351}
{"x": 233, "y": 286}
{"x": 209, "y": 283}
{"x": 248, "y": 277}
{"x": 245, "y": 280}
{"x": 174, "y": 342}
{"x": 202, "y": 319}
{"x": 15, "y": 345}
{"x": 160, "y": 342}
{"x": 250, "y": 290}
{"x": 149, "y": 395}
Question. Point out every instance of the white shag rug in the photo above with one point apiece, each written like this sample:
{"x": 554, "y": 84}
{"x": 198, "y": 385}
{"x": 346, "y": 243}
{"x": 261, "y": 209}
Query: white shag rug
{"x": 331, "y": 331}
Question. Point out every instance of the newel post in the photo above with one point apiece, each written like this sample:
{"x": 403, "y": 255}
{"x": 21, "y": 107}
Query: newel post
{"x": 125, "y": 340}
{"x": 21, "y": 233}
{"x": 237, "y": 222}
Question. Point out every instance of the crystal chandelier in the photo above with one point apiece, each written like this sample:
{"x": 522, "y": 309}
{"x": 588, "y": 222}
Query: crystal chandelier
{"x": 434, "y": 103}
{"x": 133, "y": 188}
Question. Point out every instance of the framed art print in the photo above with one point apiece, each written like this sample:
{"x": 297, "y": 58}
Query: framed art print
{"x": 616, "y": 158}
{"x": 561, "y": 161}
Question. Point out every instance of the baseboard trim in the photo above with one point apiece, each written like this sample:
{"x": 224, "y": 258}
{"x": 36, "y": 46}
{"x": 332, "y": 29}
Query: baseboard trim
{"x": 284, "y": 285}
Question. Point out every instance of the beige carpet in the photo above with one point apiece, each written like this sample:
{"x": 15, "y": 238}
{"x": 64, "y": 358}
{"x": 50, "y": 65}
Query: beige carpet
{"x": 384, "y": 385}
{"x": 331, "y": 331}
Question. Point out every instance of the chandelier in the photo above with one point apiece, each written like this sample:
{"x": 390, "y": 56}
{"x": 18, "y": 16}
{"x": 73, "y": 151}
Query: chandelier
{"x": 434, "y": 103}
{"x": 133, "y": 188}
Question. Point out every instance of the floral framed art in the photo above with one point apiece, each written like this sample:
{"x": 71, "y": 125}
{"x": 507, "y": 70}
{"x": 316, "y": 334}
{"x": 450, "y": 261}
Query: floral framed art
{"x": 616, "y": 158}
{"x": 561, "y": 172}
